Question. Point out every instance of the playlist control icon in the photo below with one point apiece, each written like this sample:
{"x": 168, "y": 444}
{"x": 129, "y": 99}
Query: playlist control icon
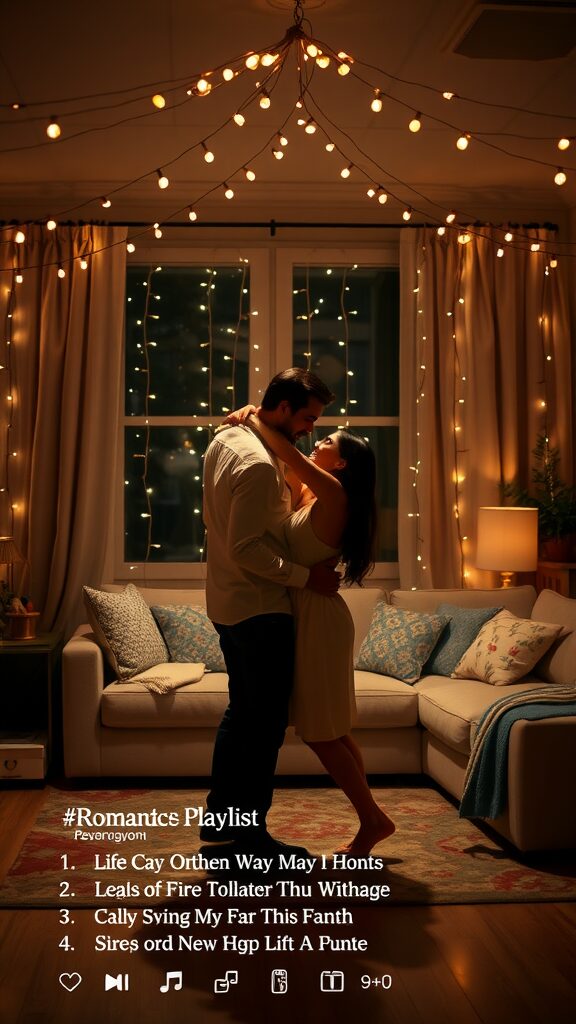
{"x": 279, "y": 981}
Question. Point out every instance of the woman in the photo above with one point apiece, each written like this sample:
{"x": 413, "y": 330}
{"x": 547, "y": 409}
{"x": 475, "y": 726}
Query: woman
{"x": 334, "y": 516}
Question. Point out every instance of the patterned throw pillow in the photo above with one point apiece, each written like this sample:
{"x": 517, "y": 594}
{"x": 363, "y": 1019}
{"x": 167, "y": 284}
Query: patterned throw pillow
{"x": 462, "y": 629}
{"x": 506, "y": 649}
{"x": 399, "y": 642}
{"x": 126, "y": 630}
{"x": 189, "y": 635}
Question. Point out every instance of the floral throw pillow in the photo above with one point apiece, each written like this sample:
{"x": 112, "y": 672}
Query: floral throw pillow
{"x": 125, "y": 628}
{"x": 506, "y": 649}
{"x": 399, "y": 642}
{"x": 189, "y": 635}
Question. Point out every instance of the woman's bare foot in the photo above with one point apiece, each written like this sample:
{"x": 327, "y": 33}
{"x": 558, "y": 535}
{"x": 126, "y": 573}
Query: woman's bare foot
{"x": 368, "y": 836}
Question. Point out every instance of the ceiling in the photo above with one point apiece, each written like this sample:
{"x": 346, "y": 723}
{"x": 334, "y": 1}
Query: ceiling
{"x": 55, "y": 54}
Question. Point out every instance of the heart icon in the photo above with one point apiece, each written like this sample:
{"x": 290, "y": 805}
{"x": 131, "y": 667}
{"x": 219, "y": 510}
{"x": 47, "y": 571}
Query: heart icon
{"x": 70, "y": 981}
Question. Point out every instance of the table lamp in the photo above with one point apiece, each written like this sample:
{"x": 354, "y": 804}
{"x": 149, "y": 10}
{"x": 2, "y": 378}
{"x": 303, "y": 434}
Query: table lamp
{"x": 507, "y": 540}
{"x": 9, "y": 555}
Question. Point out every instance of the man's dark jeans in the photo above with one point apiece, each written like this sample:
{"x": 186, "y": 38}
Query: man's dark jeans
{"x": 259, "y": 656}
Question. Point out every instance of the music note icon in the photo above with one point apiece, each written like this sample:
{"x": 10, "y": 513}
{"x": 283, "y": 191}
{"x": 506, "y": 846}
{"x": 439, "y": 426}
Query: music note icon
{"x": 172, "y": 976}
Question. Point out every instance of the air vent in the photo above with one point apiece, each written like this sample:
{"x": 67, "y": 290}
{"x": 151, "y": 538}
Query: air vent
{"x": 508, "y": 31}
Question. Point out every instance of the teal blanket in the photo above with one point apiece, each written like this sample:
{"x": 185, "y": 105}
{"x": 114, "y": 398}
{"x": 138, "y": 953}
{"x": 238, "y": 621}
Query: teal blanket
{"x": 486, "y": 786}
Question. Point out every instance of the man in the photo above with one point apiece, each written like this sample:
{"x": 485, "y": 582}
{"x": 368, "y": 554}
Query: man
{"x": 246, "y": 500}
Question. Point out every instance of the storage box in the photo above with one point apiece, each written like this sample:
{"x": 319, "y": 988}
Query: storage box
{"x": 23, "y": 755}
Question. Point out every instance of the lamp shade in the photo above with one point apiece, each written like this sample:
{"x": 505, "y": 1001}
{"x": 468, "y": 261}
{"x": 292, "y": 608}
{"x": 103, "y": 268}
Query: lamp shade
{"x": 9, "y": 553}
{"x": 507, "y": 539}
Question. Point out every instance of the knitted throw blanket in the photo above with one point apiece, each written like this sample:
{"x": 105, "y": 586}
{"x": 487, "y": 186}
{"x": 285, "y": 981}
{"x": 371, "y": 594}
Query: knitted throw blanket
{"x": 486, "y": 784}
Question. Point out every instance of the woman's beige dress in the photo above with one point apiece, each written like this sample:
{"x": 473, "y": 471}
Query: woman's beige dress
{"x": 323, "y": 706}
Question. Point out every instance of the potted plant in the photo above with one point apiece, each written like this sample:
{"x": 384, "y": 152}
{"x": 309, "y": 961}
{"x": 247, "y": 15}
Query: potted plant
{"x": 555, "y": 501}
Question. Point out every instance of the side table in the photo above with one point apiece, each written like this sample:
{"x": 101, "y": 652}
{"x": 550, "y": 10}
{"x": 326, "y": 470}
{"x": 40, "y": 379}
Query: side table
{"x": 30, "y": 692}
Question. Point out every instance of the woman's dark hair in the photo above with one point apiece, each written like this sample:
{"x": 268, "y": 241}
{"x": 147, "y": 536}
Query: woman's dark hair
{"x": 295, "y": 386}
{"x": 358, "y": 478}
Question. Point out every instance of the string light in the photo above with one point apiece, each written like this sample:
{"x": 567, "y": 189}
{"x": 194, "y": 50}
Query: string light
{"x": 563, "y": 143}
{"x": 330, "y": 147}
{"x": 376, "y": 104}
{"x": 264, "y": 100}
{"x": 278, "y": 154}
{"x": 203, "y": 87}
{"x": 227, "y": 74}
{"x": 346, "y": 171}
{"x": 163, "y": 181}
{"x": 130, "y": 247}
{"x": 238, "y": 119}
{"x": 451, "y": 217}
{"x": 53, "y": 131}
{"x": 382, "y": 196}
{"x": 415, "y": 124}
{"x": 282, "y": 140}
{"x": 463, "y": 142}
{"x": 159, "y": 101}
{"x": 228, "y": 192}
{"x": 249, "y": 174}
{"x": 106, "y": 203}
{"x": 448, "y": 95}
{"x": 61, "y": 271}
{"x": 192, "y": 215}
{"x": 19, "y": 237}
{"x": 310, "y": 127}
{"x": 208, "y": 154}
{"x": 560, "y": 177}
{"x": 252, "y": 61}
{"x": 51, "y": 225}
{"x": 407, "y": 213}
{"x": 508, "y": 237}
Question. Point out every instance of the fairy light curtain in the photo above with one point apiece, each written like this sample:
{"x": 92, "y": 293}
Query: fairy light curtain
{"x": 61, "y": 368}
{"x": 485, "y": 365}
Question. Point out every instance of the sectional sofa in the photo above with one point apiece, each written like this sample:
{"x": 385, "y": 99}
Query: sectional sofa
{"x": 116, "y": 728}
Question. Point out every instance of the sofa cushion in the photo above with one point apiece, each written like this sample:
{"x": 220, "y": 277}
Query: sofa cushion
{"x": 399, "y": 642}
{"x": 463, "y": 627}
{"x": 189, "y": 635}
{"x": 383, "y": 702}
{"x": 196, "y": 705}
{"x": 519, "y": 600}
{"x": 559, "y": 663}
{"x": 126, "y": 630}
{"x": 506, "y": 649}
{"x": 451, "y": 708}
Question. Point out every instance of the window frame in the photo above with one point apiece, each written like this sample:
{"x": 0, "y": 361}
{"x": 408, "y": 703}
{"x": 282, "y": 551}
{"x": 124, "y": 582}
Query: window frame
{"x": 271, "y": 268}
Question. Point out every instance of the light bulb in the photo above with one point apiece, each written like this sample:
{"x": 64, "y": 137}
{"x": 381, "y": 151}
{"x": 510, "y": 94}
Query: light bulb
{"x": 553, "y": 262}
{"x": 451, "y": 217}
{"x": 407, "y": 213}
{"x": 323, "y": 61}
{"x": 330, "y": 147}
{"x": 282, "y": 140}
{"x": 563, "y": 143}
{"x": 84, "y": 264}
{"x": 130, "y": 247}
{"x": 239, "y": 119}
{"x": 157, "y": 231}
{"x": 53, "y": 130}
{"x": 229, "y": 192}
{"x": 500, "y": 252}
{"x": 382, "y": 196}
{"x": 415, "y": 124}
{"x": 343, "y": 69}
{"x": 312, "y": 50}
{"x": 227, "y": 74}
{"x": 61, "y": 272}
{"x": 19, "y": 278}
{"x": 310, "y": 127}
{"x": 376, "y": 104}
{"x": 249, "y": 174}
{"x": 560, "y": 177}
{"x": 448, "y": 95}
{"x": 159, "y": 101}
{"x": 192, "y": 215}
{"x": 278, "y": 154}
{"x": 252, "y": 61}
{"x": 268, "y": 59}
{"x": 105, "y": 202}
{"x": 208, "y": 154}
{"x": 345, "y": 172}
{"x": 264, "y": 100}
{"x": 163, "y": 181}
{"x": 535, "y": 247}
{"x": 51, "y": 224}
{"x": 19, "y": 237}
{"x": 464, "y": 238}
{"x": 508, "y": 237}
{"x": 441, "y": 230}
{"x": 203, "y": 87}
{"x": 463, "y": 142}
{"x": 371, "y": 192}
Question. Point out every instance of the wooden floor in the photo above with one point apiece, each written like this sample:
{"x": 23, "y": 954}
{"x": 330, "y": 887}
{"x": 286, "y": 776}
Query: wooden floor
{"x": 474, "y": 964}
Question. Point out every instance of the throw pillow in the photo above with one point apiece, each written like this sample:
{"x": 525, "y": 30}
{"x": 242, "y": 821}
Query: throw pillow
{"x": 462, "y": 629}
{"x": 189, "y": 635}
{"x": 399, "y": 642}
{"x": 506, "y": 649}
{"x": 126, "y": 630}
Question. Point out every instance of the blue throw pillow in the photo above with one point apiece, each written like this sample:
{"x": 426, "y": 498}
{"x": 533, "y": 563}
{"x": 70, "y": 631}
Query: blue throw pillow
{"x": 461, "y": 631}
{"x": 399, "y": 642}
{"x": 189, "y": 635}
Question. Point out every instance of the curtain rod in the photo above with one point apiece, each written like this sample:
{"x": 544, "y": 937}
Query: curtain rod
{"x": 273, "y": 225}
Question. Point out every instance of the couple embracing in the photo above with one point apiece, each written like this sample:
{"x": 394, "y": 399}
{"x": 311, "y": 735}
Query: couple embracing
{"x": 277, "y": 524}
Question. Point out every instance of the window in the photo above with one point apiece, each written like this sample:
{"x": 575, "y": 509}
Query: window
{"x": 198, "y": 343}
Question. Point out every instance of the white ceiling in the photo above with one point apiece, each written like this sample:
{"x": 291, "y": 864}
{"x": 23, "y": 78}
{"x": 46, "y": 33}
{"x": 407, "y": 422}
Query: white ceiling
{"x": 54, "y": 53}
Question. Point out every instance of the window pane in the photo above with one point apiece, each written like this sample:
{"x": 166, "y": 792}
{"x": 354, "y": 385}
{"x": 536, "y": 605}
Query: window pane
{"x": 384, "y": 443}
{"x": 346, "y": 330}
{"x": 187, "y": 332}
{"x": 163, "y": 494}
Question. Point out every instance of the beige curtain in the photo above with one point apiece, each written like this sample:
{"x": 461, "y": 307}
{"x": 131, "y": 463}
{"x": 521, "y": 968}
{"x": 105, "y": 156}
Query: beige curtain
{"x": 484, "y": 367}
{"x": 59, "y": 435}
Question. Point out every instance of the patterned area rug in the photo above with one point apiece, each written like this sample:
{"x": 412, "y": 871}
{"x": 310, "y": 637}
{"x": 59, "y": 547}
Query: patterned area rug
{"x": 434, "y": 857}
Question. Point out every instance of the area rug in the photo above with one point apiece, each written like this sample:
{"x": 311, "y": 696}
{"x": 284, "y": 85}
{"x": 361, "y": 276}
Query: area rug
{"x": 434, "y": 857}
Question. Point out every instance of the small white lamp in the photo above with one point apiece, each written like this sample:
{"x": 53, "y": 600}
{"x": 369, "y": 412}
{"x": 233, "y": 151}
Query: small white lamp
{"x": 507, "y": 540}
